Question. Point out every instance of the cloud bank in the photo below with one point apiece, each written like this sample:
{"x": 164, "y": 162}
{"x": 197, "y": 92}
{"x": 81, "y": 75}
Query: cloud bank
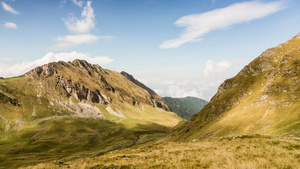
{"x": 199, "y": 82}
{"x": 211, "y": 68}
{"x": 9, "y": 8}
{"x": 197, "y": 25}
{"x": 21, "y": 68}
{"x": 10, "y": 25}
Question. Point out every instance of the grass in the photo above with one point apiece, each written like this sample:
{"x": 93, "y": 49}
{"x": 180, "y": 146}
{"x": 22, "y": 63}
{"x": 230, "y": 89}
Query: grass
{"x": 228, "y": 152}
{"x": 72, "y": 138}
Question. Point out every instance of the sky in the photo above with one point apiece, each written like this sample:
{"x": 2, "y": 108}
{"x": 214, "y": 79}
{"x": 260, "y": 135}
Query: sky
{"x": 178, "y": 48}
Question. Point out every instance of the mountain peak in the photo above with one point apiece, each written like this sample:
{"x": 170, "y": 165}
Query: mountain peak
{"x": 77, "y": 107}
{"x": 83, "y": 64}
{"x": 53, "y": 68}
{"x": 88, "y": 81}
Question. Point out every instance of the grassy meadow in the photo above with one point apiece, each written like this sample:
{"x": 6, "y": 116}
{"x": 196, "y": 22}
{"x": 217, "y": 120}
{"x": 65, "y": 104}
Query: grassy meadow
{"x": 248, "y": 152}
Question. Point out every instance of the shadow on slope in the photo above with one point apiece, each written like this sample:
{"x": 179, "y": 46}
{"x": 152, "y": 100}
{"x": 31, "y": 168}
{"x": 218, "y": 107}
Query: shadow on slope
{"x": 67, "y": 139}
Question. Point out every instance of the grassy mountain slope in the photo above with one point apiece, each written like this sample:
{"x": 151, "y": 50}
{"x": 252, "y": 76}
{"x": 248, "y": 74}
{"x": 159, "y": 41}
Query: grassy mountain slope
{"x": 68, "y": 110}
{"x": 185, "y": 107}
{"x": 263, "y": 98}
{"x": 160, "y": 102}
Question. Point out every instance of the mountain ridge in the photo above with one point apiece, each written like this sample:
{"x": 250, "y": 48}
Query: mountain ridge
{"x": 159, "y": 101}
{"x": 185, "y": 107}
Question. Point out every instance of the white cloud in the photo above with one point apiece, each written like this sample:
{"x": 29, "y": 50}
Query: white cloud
{"x": 78, "y": 3}
{"x": 211, "y": 68}
{"x": 83, "y": 25}
{"x": 21, "y": 68}
{"x": 74, "y": 40}
{"x": 183, "y": 91}
{"x": 10, "y": 25}
{"x": 9, "y": 8}
{"x": 81, "y": 28}
{"x": 197, "y": 25}
{"x": 202, "y": 81}
{"x": 4, "y": 59}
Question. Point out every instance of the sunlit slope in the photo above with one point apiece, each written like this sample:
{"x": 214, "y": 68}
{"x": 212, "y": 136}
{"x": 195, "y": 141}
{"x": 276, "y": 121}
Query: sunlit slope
{"x": 233, "y": 152}
{"x": 263, "y": 98}
{"x": 66, "y": 110}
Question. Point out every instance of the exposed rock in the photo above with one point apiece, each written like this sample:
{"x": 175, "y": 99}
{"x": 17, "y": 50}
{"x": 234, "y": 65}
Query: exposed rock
{"x": 45, "y": 70}
{"x": 81, "y": 92}
{"x": 8, "y": 99}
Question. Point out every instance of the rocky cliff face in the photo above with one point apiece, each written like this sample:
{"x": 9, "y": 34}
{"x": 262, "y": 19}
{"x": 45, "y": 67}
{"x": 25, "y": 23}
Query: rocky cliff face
{"x": 263, "y": 98}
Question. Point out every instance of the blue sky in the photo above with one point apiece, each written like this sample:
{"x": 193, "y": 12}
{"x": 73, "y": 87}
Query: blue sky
{"x": 176, "y": 47}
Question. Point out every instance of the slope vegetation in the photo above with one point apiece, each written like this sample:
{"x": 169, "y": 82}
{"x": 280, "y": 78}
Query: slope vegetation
{"x": 263, "y": 98}
{"x": 185, "y": 107}
{"x": 68, "y": 110}
{"x": 241, "y": 152}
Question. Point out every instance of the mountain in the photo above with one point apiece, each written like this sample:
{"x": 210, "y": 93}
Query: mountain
{"x": 185, "y": 107}
{"x": 159, "y": 101}
{"x": 69, "y": 110}
{"x": 263, "y": 98}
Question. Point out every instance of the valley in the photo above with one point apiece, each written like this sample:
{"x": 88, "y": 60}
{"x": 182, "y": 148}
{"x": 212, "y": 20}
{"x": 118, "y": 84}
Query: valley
{"x": 79, "y": 115}
{"x": 149, "y": 84}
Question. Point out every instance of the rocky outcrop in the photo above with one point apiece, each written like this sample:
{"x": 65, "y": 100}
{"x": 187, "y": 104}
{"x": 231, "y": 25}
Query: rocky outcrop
{"x": 87, "y": 67}
{"x": 4, "y": 98}
{"x": 45, "y": 70}
{"x": 81, "y": 92}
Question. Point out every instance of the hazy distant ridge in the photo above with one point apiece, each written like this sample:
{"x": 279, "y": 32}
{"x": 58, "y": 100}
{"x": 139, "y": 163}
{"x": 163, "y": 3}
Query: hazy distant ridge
{"x": 185, "y": 107}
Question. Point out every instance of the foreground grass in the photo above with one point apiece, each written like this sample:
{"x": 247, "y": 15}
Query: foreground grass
{"x": 235, "y": 152}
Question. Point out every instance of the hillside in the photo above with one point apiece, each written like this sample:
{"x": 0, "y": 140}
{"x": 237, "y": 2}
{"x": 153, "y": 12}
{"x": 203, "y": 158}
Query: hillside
{"x": 159, "y": 101}
{"x": 232, "y": 152}
{"x": 185, "y": 107}
{"x": 69, "y": 110}
{"x": 263, "y": 98}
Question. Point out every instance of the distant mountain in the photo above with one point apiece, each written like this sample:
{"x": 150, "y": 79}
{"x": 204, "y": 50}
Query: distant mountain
{"x": 263, "y": 98}
{"x": 68, "y": 110}
{"x": 185, "y": 107}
